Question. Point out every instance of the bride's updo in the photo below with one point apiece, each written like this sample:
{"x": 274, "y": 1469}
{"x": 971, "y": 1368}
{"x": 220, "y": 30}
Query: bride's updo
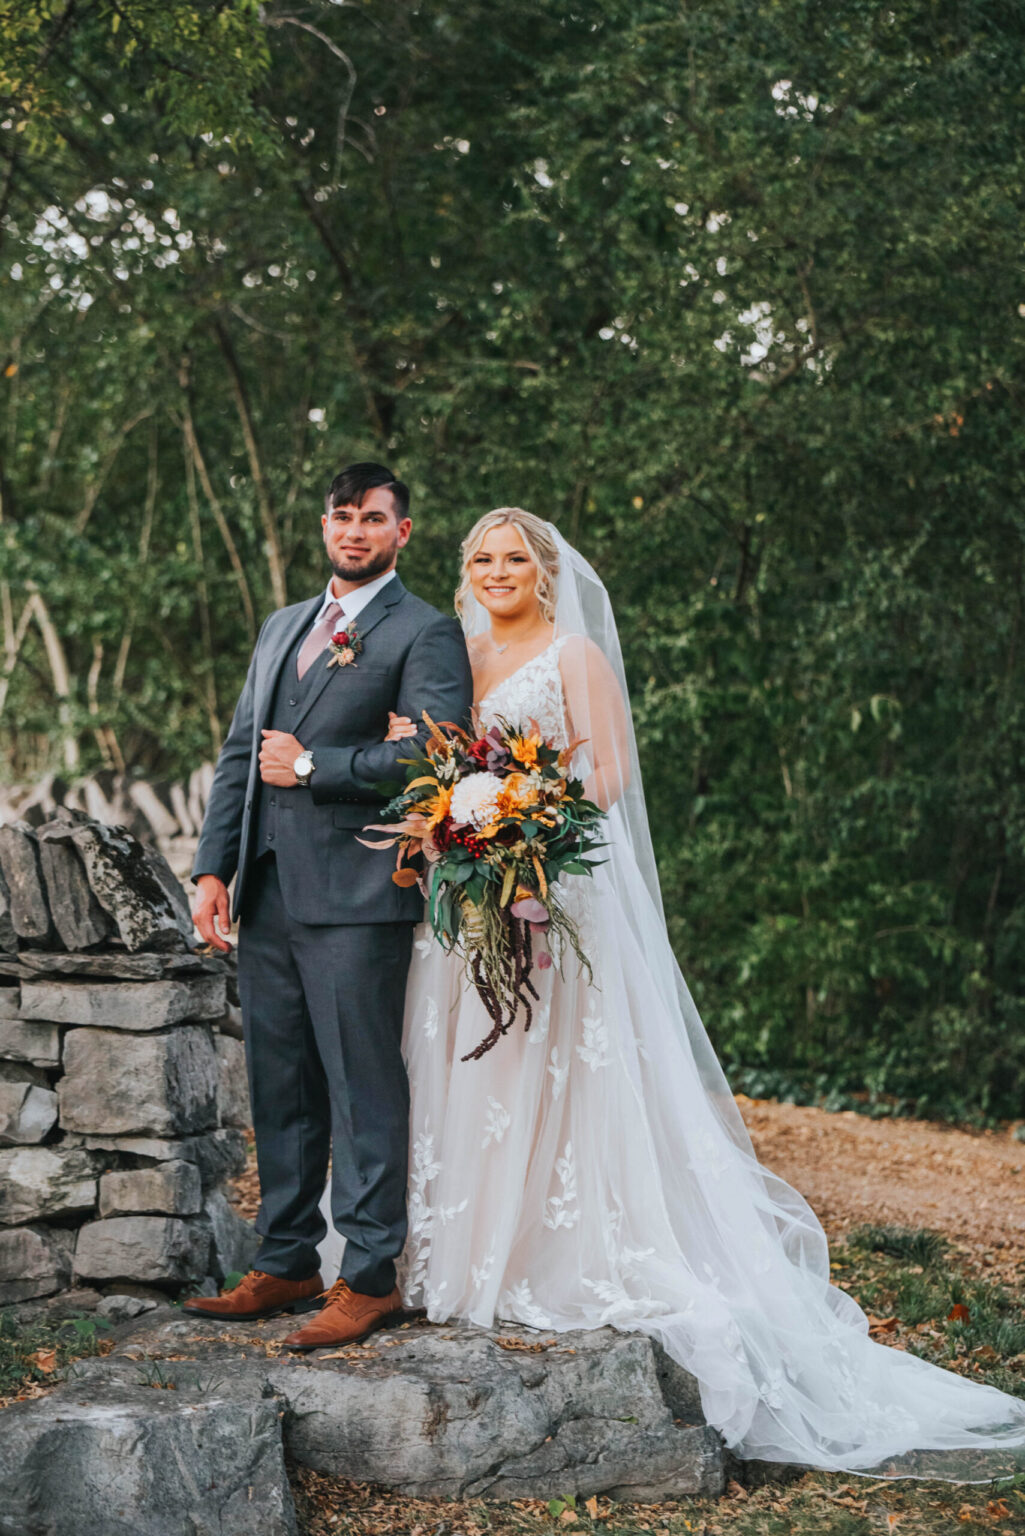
{"x": 540, "y": 545}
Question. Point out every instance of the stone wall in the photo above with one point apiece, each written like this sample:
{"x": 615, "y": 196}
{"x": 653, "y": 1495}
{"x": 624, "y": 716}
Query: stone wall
{"x": 123, "y": 1095}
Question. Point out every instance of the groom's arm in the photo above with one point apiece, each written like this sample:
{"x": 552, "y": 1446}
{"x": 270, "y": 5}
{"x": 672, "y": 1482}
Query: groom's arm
{"x": 436, "y": 678}
{"x": 218, "y": 847}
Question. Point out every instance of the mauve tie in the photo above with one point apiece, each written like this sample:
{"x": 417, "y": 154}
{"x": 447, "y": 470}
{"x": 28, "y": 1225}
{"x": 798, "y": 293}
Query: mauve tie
{"x": 317, "y": 638}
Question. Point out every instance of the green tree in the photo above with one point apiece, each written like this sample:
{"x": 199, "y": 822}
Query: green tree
{"x": 731, "y": 291}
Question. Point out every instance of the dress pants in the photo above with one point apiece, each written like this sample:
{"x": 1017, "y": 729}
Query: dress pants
{"x": 322, "y": 1013}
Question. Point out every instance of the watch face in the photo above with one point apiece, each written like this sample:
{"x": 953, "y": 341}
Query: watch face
{"x": 302, "y": 766}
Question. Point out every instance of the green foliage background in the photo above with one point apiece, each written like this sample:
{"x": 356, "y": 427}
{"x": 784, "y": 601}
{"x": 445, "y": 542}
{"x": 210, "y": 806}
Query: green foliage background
{"x": 731, "y": 290}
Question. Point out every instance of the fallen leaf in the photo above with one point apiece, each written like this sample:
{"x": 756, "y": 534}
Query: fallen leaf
{"x": 591, "y": 1505}
{"x": 998, "y": 1508}
{"x": 528, "y": 1346}
{"x": 882, "y": 1324}
{"x": 959, "y": 1313}
{"x": 44, "y": 1360}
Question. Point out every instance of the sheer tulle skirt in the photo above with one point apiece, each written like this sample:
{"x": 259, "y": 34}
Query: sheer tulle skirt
{"x": 594, "y": 1170}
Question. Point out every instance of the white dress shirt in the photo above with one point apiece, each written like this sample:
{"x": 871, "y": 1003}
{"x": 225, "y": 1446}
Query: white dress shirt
{"x": 354, "y": 602}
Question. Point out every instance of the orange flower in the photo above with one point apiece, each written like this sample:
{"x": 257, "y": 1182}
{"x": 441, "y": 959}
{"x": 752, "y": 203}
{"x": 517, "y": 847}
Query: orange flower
{"x": 515, "y": 795}
{"x": 436, "y": 808}
{"x": 524, "y": 749}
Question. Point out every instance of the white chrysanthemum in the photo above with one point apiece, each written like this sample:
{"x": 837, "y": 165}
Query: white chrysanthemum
{"x": 475, "y": 799}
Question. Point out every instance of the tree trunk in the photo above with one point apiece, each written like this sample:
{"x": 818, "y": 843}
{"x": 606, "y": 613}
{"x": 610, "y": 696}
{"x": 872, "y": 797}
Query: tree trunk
{"x": 206, "y": 629}
{"x": 192, "y": 447}
{"x": 272, "y": 542}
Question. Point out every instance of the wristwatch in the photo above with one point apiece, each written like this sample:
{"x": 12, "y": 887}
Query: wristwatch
{"x": 303, "y": 768}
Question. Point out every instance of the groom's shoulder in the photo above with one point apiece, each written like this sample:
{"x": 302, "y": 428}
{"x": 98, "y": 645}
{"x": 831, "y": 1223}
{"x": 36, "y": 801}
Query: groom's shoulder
{"x": 281, "y": 618}
{"x": 423, "y": 615}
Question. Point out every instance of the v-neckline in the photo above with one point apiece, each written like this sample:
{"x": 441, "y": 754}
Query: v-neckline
{"x": 479, "y": 703}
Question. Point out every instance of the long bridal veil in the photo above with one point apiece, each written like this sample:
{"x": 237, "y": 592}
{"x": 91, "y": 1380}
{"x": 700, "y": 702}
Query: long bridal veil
{"x": 717, "y": 1258}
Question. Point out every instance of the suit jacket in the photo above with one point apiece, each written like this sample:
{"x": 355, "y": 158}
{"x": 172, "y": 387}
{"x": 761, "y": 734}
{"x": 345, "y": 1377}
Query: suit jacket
{"x": 413, "y": 659}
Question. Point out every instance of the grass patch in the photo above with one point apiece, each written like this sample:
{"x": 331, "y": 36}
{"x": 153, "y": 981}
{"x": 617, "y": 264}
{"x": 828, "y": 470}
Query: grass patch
{"x": 33, "y": 1355}
{"x": 915, "y": 1245}
{"x": 966, "y": 1323}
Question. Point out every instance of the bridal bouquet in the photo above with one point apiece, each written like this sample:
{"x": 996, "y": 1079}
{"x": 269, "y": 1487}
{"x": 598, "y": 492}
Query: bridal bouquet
{"x": 498, "y": 820}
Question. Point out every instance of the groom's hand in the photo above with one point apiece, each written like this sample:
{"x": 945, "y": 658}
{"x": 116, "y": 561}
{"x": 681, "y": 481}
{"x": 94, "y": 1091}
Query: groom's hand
{"x": 278, "y": 753}
{"x": 212, "y": 909}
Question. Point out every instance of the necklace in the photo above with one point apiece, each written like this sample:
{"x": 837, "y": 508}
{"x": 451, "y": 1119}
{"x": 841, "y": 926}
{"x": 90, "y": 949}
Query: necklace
{"x": 502, "y": 646}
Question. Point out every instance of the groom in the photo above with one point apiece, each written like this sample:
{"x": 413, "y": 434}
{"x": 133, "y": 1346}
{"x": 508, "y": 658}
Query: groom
{"x": 325, "y": 935}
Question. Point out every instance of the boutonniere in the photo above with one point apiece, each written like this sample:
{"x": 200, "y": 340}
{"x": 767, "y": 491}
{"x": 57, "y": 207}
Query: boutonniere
{"x": 345, "y": 645}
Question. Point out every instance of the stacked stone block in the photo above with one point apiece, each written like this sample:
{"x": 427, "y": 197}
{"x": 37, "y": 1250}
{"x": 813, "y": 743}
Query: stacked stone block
{"x": 123, "y": 1095}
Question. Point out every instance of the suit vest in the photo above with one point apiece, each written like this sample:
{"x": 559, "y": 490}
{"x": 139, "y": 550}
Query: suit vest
{"x": 287, "y": 700}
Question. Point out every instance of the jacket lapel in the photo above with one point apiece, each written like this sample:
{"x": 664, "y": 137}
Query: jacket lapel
{"x": 297, "y": 625}
{"x": 376, "y": 610}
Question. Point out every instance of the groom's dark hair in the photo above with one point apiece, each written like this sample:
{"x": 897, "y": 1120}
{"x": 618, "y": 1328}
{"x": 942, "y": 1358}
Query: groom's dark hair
{"x": 352, "y": 485}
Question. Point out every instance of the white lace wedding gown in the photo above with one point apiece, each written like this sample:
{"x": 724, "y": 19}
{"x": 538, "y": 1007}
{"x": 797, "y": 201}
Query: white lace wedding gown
{"x": 581, "y": 1174}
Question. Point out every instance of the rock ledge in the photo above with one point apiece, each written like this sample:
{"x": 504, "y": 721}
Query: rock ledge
{"x": 423, "y": 1410}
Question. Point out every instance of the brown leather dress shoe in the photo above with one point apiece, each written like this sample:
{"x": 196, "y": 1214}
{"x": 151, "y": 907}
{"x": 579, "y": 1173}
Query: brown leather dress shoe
{"x": 346, "y": 1317}
{"x": 258, "y": 1295}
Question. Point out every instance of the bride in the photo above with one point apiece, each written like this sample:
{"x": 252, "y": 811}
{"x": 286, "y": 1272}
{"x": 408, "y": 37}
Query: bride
{"x": 594, "y": 1169}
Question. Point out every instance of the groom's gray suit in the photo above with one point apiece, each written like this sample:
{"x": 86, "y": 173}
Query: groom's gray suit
{"x": 325, "y": 934}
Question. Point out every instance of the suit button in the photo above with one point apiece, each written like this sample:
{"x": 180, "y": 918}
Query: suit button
{"x": 293, "y": 702}
{"x": 274, "y": 802}
{"x": 270, "y": 837}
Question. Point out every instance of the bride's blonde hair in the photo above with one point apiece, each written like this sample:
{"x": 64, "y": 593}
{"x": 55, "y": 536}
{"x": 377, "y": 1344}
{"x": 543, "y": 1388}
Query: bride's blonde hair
{"x": 540, "y": 546}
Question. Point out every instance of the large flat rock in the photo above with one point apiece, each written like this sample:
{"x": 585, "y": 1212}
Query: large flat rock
{"x": 44, "y": 1182}
{"x": 120, "y": 1459}
{"x": 28, "y": 1108}
{"x": 131, "y": 1005}
{"x": 117, "y": 1083}
{"x": 219, "y": 1155}
{"x": 172, "y": 1188}
{"x": 34, "y": 1261}
{"x": 134, "y": 886}
{"x": 159, "y": 1250}
{"x": 37, "y": 1043}
{"x": 455, "y": 1411}
{"x": 116, "y": 964}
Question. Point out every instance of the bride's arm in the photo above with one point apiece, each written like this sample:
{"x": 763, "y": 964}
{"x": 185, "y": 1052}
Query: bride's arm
{"x": 597, "y": 711}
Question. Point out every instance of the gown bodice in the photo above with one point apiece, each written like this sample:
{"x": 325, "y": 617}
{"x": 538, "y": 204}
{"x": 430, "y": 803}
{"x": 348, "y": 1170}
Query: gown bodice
{"x": 533, "y": 692}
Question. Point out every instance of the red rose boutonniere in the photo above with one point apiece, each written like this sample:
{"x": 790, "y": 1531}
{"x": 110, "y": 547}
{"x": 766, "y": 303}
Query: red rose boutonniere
{"x": 345, "y": 645}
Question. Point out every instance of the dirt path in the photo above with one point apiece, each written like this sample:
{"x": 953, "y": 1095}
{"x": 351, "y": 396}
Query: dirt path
{"x": 852, "y": 1170}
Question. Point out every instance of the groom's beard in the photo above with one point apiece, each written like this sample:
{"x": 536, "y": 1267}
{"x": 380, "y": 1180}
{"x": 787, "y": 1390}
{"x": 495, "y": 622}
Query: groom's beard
{"x": 363, "y": 570}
